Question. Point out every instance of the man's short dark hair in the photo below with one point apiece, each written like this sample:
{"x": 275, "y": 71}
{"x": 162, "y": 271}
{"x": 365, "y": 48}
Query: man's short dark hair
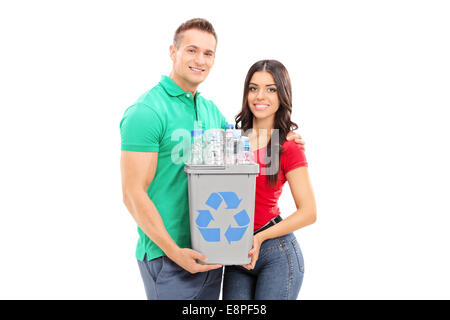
{"x": 197, "y": 23}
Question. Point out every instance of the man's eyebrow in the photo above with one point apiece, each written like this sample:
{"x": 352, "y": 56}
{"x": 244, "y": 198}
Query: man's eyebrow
{"x": 195, "y": 47}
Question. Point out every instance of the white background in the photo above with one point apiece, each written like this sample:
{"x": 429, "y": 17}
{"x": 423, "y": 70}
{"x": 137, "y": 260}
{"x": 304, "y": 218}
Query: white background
{"x": 371, "y": 86}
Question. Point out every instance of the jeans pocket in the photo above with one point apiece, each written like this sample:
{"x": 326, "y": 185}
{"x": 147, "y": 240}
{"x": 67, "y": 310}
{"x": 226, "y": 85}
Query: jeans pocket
{"x": 155, "y": 267}
{"x": 270, "y": 246}
{"x": 298, "y": 254}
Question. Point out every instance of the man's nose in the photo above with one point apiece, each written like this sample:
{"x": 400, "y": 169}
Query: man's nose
{"x": 199, "y": 59}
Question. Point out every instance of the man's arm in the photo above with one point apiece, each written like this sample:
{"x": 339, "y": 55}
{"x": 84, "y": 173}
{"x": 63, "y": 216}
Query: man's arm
{"x": 138, "y": 170}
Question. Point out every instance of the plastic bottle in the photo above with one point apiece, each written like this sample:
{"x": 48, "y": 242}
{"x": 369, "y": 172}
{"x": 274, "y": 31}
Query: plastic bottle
{"x": 197, "y": 146}
{"x": 236, "y": 144}
{"x": 214, "y": 147}
{"x": 229, "y": 145}
{"x": 246, "y": 156}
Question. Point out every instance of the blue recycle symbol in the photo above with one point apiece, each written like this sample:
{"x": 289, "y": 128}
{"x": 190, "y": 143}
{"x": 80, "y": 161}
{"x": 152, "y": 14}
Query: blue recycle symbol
{"x": 205, "y": 217}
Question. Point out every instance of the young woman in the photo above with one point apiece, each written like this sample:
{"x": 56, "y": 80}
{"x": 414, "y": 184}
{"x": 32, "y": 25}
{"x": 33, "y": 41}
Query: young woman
{"x": 276, "y": 268}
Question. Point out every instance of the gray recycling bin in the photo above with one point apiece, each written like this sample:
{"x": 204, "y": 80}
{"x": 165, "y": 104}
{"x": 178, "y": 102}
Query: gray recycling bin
{"x": 221, "y": 210}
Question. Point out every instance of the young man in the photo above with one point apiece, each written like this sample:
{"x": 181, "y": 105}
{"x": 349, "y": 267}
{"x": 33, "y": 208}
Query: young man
{"x": 154, "y": 186}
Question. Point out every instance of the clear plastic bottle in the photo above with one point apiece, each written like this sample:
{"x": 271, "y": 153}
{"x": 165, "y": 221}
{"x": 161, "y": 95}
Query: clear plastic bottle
{"x": 229, "y": 145}
{"x": 236, "y": 144}
{"x": 214, "y": 147}
{"x": 197, "y": 146}
{"x": 246, "y": 155}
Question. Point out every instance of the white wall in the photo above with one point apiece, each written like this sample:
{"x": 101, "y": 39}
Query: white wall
{"x": 371, "y": 93}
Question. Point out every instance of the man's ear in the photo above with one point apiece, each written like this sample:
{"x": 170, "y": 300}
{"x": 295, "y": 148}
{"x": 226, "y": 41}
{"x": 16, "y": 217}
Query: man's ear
{"x": 172, "y": 52}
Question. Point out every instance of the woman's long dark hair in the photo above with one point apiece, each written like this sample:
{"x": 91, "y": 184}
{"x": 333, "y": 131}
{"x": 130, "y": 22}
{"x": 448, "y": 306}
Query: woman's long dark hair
{"x": 244, "y": 120}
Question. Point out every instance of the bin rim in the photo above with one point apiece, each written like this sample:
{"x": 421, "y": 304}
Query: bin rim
{"x": 252, "y": 168}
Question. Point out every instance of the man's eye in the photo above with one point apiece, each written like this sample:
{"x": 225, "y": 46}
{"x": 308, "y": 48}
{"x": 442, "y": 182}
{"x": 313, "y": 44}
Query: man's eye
{"x": 191, "y": 50}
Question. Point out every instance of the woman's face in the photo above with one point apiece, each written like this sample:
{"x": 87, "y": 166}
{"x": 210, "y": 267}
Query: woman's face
{"x": 263, "y": 96}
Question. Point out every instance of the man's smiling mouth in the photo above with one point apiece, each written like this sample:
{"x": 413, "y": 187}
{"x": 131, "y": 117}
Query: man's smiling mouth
{"x": 198, "y": 70}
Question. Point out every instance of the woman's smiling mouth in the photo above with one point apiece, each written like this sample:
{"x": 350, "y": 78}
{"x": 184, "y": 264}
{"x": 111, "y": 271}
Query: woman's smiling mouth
{"x": 261, "y": 106}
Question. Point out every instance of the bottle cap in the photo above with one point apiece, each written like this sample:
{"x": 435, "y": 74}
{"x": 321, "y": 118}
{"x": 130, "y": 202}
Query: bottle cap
{"x": 196, "y": 132}
{"x": 229, "y": 126}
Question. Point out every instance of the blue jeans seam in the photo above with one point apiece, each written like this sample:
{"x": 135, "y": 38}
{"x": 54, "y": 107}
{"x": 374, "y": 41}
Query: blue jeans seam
{"x": 159, "y": 272}
{"x": 203, "y": 285}
{"x": 157, "y": 276}
{"x": 147, "y": 267}
{"x": 286, "y": 251}
{"x": 300, "y": 266}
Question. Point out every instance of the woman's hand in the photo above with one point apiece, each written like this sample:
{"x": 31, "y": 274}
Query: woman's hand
{"x": 254, "y": 252}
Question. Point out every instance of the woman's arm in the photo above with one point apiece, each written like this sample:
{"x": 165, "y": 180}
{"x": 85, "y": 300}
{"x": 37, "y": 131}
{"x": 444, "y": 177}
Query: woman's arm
{"x": 305, "y": 202}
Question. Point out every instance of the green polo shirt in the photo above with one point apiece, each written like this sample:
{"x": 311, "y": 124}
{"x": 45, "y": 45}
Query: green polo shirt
{"x": 153, "y": 124}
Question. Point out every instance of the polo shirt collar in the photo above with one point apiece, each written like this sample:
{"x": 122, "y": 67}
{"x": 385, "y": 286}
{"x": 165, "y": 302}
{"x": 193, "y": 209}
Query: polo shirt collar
{"x": 172, "y": 88}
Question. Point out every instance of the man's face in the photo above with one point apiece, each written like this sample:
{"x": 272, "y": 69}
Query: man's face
{"x": 193, "y": 59}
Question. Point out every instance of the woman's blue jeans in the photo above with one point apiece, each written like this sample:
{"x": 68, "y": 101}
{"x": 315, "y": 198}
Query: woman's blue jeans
{"x": 278, "y": 273}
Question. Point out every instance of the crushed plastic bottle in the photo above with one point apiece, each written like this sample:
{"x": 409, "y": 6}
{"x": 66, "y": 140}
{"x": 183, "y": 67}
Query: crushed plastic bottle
{"x": 197, "y": 146}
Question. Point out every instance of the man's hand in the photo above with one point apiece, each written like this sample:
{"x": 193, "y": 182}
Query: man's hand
{"x": 296, "y": 137}
{"x": 187, "y": 259}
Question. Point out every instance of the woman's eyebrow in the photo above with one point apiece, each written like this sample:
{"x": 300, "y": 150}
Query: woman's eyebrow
{"x": 267, "y": 85}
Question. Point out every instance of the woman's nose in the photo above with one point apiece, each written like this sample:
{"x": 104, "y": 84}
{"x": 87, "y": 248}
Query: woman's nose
{"x": 260, "y": 94}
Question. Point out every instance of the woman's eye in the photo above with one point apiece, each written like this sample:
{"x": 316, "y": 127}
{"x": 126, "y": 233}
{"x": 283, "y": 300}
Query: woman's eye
{"x": 252, "y": 89}
{"x": 191, "y": 50}
{"x": 272, "y": 90}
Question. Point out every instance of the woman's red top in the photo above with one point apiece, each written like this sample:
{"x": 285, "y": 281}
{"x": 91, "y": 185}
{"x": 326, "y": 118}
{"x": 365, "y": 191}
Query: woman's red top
{"x": 266, "y": 199}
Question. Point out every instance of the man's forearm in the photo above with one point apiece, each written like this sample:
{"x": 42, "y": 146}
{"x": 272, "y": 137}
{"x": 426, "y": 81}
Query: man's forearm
{"x": 149, "y": 220}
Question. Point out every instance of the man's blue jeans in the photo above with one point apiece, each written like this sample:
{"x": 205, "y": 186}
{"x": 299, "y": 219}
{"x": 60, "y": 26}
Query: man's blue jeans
{"x": 278, "y": 273}
{"x": 165, "y": 280}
